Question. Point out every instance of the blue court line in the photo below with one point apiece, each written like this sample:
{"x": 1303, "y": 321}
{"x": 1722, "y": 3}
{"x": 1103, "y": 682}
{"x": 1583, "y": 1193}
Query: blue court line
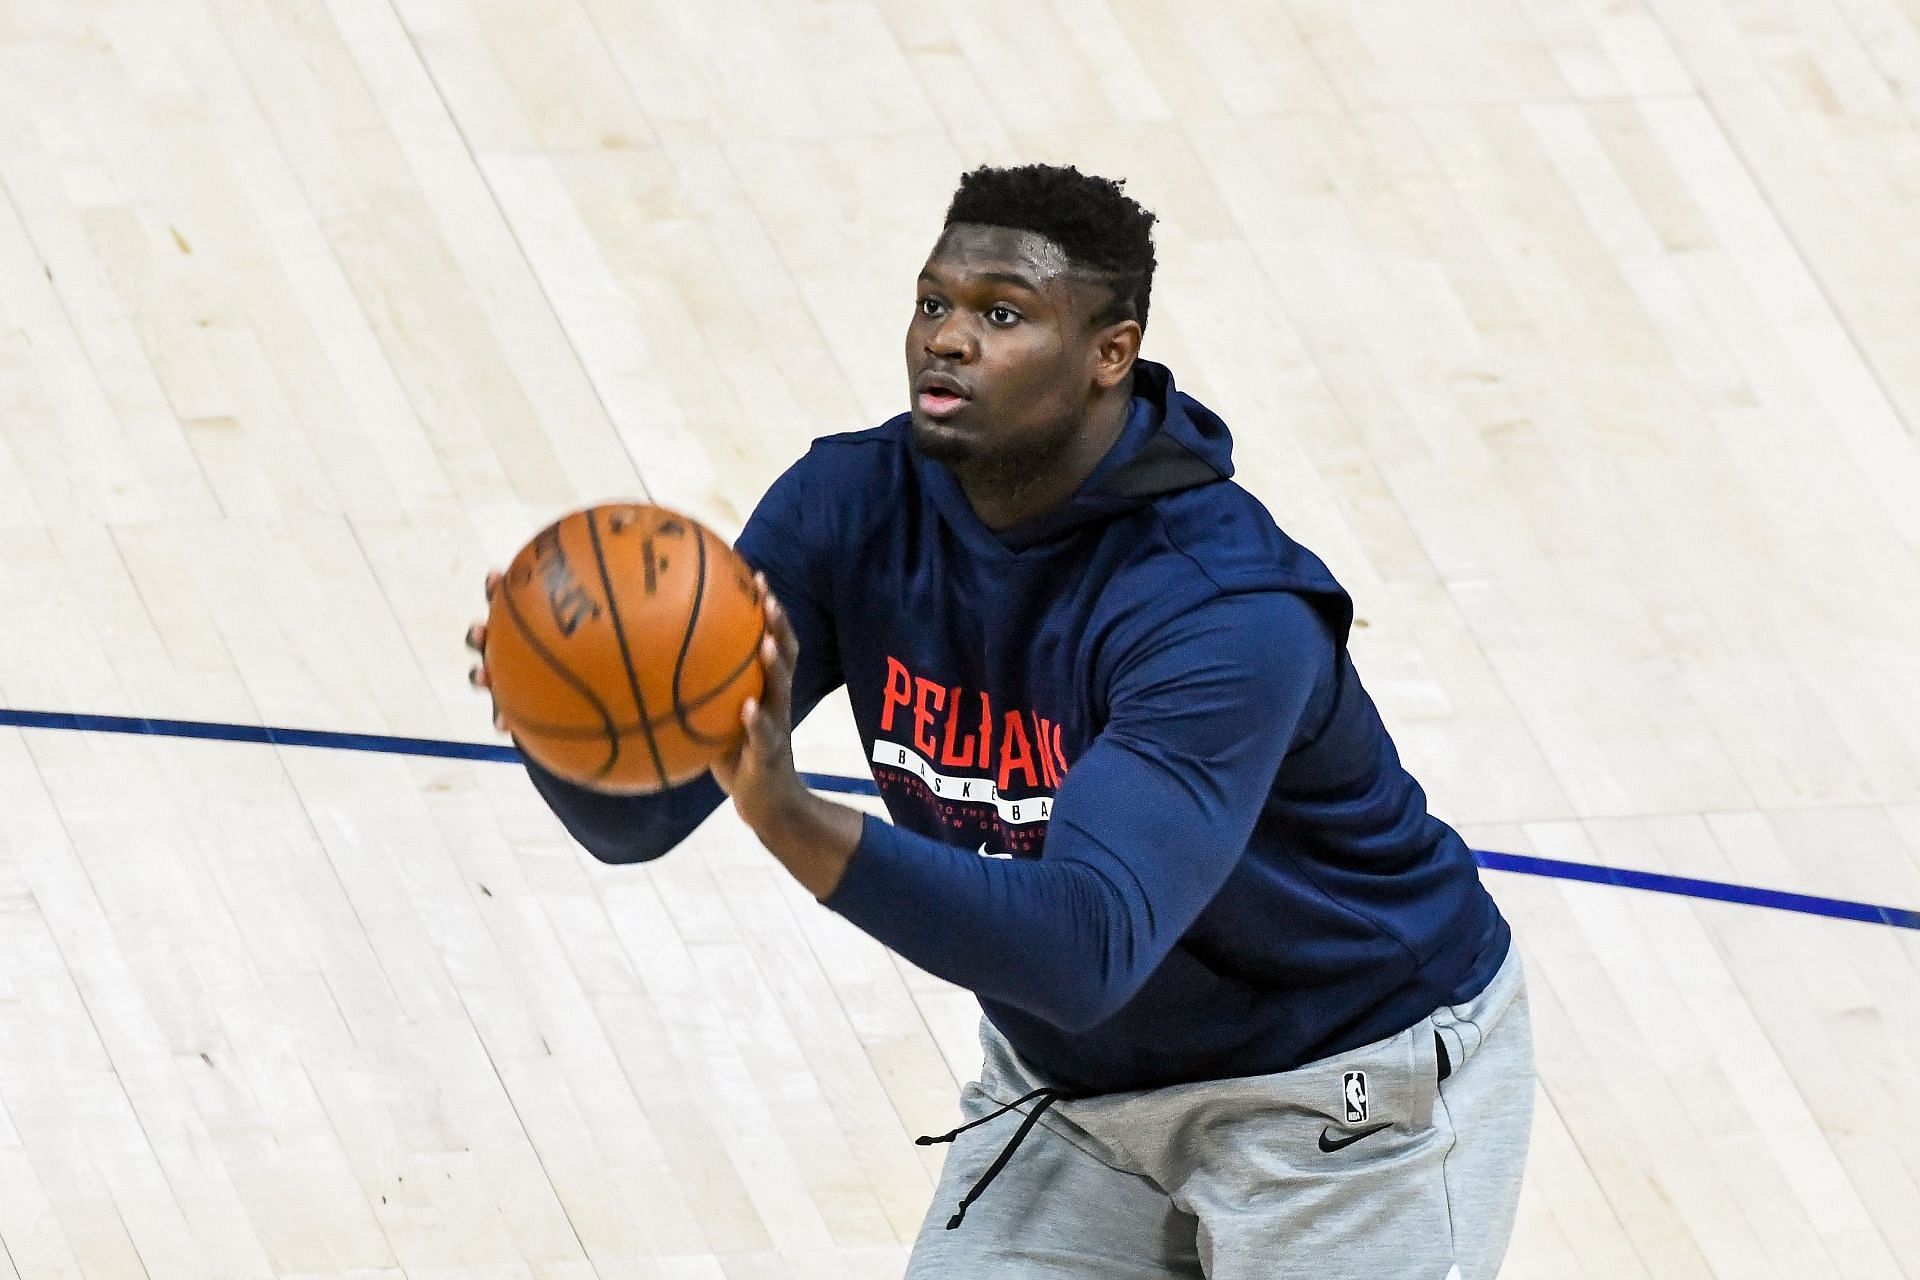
{"x": 1523, "y": 864}
{"x": 1689, "y": 887}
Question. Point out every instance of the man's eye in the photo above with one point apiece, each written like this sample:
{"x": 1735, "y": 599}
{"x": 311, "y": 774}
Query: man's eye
{"x": 931, "y": 306}
{"x": 1002, "y": 315}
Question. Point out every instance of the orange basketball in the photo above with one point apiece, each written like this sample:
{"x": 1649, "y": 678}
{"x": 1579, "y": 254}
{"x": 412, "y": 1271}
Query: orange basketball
{"x": 621, "y": 646}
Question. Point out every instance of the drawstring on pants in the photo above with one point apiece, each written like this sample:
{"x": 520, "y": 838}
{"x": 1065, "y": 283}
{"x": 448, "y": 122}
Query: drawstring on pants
{"x": 1047, "y": 1097}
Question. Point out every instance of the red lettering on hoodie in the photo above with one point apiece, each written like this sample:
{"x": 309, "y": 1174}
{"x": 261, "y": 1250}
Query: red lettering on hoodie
{"x": 1016, "y": 752}
{"x": 899, "y": 689}
{"x": 926, "y": 691}
{"x": 986, "y": 730}
{"x": 949, "y": 756}
{"x": 1030, "y": 756}
{"x": 1040, "y": 726}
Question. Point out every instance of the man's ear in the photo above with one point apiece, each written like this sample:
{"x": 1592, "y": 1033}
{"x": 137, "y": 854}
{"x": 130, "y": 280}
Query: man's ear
{"x": 1115, "y": 350}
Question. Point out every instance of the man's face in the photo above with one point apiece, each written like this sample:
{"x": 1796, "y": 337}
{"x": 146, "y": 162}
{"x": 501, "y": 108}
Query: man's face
{"x": 1001, "y": 351}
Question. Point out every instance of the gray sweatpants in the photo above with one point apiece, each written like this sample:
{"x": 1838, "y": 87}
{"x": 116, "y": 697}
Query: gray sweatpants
{"x": 1362, "y": 1166}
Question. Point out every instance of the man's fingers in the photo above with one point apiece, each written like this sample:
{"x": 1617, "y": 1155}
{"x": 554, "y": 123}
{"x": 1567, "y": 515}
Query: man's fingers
{"x": 775, "y": 614}
{"x": 780, "y": 631}
{"x": 777, "y": 659}
{"x": 476, "y": 639}
{"x": 780, "y": 626}
{"x": 753, "y": 715}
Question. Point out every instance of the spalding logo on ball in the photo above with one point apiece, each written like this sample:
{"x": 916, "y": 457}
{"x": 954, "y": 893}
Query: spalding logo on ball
{"x": 622, "y": 645}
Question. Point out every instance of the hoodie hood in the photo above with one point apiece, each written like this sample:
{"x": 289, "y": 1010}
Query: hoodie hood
{"x": 1171, "y": 442}
{"x": 1183, "y": 443}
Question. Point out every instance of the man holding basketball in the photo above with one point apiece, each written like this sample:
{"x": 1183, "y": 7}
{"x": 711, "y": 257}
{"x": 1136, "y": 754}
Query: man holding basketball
{"x": 1248, "y": 1011}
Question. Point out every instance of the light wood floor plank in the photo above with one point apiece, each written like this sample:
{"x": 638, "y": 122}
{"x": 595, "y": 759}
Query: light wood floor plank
{"x": 1576, "y": 334}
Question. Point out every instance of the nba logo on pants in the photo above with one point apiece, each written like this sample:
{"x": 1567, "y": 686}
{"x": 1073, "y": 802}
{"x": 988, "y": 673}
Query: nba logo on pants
{"x": 1356, "y": 1093}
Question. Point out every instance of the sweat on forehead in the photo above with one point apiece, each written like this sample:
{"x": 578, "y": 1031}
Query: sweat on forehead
{"x": 1027, "y": 252}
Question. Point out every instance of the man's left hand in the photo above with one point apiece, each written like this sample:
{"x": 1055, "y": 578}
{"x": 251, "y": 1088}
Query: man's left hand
{"x": 760, "y": 775}
{"x": 814, "y": 838}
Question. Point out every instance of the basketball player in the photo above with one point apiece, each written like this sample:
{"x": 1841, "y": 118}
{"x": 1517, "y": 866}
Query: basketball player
{"x": 1249, "y": 1012}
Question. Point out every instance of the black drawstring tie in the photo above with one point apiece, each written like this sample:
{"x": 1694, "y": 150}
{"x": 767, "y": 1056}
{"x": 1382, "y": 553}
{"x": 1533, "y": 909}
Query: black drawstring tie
{"x": 1047, "y": 1097}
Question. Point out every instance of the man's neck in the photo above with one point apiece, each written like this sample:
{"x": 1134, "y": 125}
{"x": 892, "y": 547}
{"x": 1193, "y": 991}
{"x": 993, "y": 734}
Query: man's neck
{"x": 1003, "y": 497}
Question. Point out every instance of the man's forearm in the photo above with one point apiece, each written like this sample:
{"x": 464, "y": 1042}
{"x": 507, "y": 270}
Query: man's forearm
{"x": 813, "y": 838}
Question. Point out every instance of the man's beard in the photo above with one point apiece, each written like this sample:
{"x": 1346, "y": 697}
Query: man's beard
{"x": 953, "y": 451}
{"x": 1009, "y": 463}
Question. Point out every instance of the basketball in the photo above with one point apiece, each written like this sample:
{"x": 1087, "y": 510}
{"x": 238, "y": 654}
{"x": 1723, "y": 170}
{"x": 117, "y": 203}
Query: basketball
{"x": 621, "y": 645}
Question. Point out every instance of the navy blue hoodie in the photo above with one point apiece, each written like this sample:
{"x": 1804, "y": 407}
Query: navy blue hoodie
{"x": 1141, "y": 804}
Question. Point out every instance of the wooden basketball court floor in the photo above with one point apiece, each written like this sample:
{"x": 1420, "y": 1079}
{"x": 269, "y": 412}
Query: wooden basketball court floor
{"x": 1582, "y": 337}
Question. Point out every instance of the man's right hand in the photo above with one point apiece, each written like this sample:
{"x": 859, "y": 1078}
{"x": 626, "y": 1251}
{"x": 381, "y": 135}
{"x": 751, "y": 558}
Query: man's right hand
{"x": 477, "y": 641}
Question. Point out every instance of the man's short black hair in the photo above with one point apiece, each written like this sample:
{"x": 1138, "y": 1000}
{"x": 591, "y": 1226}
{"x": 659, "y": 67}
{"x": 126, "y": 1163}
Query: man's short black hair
{"x": 1102, "y": 230}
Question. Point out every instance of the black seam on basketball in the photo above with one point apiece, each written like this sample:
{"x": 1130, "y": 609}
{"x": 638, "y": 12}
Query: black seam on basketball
{"x": 578, "y": 685}
{"x": 626, "y": 657}
{"x": 573, "y": 731}
{"x": 693, "y": 620}
{"x": 707, "y": 740}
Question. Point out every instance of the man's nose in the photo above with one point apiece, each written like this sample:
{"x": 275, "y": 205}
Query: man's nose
{"x": 951, "y": 339}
